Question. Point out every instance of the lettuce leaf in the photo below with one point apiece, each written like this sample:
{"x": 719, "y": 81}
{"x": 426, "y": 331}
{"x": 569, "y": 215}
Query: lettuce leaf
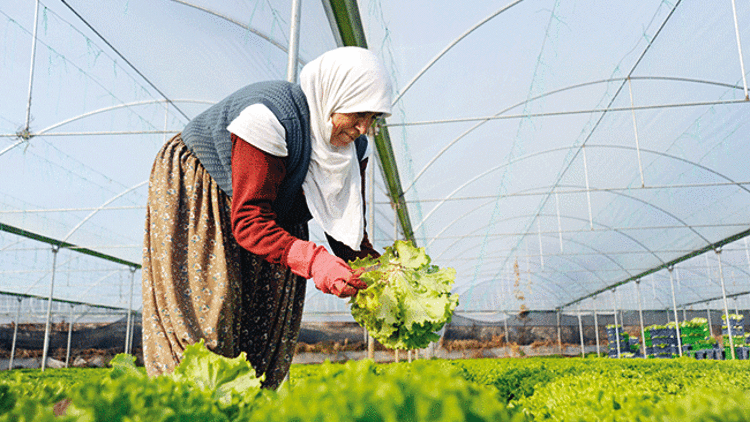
{"x": 216, "y": 373}
{"x": 407, "y": 299}
{"x": 204, "y": 369}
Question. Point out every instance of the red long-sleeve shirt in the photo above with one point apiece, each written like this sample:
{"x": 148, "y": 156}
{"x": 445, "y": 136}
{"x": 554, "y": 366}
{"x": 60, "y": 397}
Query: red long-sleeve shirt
{"x": 256, "y": 177}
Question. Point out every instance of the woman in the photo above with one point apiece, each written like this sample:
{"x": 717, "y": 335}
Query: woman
{"x": 226, "y": 255}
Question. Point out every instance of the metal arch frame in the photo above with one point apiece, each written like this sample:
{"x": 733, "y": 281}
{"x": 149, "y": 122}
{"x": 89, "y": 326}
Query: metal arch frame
{"x": 167, "y": 100}
{"x": 599, "y": 253}
{"x": 736, "y": 267}
{"x": 586, "y": 269}
{"x": 450, "y": 46}
{"x": 672, "y": 263}
{"x": 608, "y": 229}
{"x": 94, "y": 212}
{"x": 45, "y": 273}
{"x": 571, "y": 217}
{"x": 547, "y": 278}
{"x": 593, "y": 190}
{"x": 732, "y": 295}
{"x": 33, "y": 59}
{"x": 115, "y": 107}
{"x": 594, "y": 128}
{"x": 89, "y": 114}
{"x": 261, "y": 34}
{"x": 557, "y": 254}
{"x": 688, "y": 287}
{"x": 185, "y": 3}
{"x": 550, "y": 93}
{"x": 641, "y": 275}
{"x": 575, "y": 112}
{"x": 645, "y": 249}
{"x": 693, "y": 269}
{"x": 690, "y": 270}
{"x": 543, "y": 286}
{"x": 602, "y": 311}
{"x": 532, "y": 155}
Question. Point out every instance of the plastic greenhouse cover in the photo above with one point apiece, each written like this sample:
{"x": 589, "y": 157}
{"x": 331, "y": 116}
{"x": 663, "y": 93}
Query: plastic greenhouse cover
{"x": 547, "y": 150}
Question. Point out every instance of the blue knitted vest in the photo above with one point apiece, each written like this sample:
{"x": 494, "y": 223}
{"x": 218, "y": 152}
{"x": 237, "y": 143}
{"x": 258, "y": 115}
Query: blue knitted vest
{"x": 208, "y": 138}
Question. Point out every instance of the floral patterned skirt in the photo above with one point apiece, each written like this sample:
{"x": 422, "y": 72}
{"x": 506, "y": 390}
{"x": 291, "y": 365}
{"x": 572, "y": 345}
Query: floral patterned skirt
{"x": 198, "y": 283}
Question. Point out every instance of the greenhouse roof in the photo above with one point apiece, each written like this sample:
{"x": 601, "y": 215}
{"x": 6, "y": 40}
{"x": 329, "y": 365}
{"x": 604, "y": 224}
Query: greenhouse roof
{"x": 548, "y": 151}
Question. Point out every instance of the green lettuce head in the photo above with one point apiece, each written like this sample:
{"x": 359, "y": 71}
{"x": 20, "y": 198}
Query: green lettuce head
{"x": 407, "y": 300}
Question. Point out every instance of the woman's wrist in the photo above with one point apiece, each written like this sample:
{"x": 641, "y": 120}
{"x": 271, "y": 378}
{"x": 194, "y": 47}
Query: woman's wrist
{"x": 301, "y": 255}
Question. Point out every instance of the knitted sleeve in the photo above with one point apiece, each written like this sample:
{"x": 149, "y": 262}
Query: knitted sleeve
{"x": 256, "y": 176}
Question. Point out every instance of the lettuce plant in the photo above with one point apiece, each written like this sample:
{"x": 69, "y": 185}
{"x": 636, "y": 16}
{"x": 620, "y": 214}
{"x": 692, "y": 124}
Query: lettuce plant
{"x": 407, "y": 299}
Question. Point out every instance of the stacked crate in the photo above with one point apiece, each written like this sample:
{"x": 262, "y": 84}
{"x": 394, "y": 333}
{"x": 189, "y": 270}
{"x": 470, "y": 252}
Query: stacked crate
{"x": 635, "y": 347}
{"x": 696, "y": 340}
{"x": 661, "y": 341}
{"x": 615, "y": 336}
{"x": 735, "y": 329}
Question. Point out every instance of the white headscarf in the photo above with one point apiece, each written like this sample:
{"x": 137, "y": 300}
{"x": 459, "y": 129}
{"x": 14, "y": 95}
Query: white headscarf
{"x": 344, "y": 80}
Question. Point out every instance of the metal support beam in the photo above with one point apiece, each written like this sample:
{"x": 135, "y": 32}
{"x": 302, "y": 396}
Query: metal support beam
{"x": 15, "y": 334}
{"x": 55, "y": 250}
{"x": 291, "y": 70}
{"x": 617, "y": 329}
{"x": 371, "y": 220}
{"x": 70, "y": 336}
{"x": 640, "y": 314}
{"x": 672, "y": 263}
{"x": 559, "y": 332}
{"x": 674, "y": 307}
{"x": 580, "y": 332}
{"x": 730, "y": 330}
{"x": 596, "y": 332}
{"x": 40, "y": 238}
{"x": 507, "y": 338}
{"x": 129, "y": 328}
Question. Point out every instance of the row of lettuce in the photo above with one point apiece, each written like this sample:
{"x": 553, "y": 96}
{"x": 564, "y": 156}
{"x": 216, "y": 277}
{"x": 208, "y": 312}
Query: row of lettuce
{"x": 693, "y": 336}
{"x": 207, "y": 388}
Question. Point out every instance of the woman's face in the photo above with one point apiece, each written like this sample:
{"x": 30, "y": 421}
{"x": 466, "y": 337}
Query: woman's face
{"x": 349, "y": 126}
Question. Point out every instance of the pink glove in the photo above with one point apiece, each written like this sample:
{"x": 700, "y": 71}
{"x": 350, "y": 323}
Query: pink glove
{"x": 331, "y": 274}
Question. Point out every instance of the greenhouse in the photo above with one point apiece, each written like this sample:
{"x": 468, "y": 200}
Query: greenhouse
{"x": 581, "y": 165}
{"x": 573, "y": 173}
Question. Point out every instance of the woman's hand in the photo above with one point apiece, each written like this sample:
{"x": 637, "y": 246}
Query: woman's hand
{"x": 331, "y": 274}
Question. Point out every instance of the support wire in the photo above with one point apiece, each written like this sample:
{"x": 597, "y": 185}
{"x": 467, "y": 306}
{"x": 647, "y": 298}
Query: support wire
{"x": 635, "y": 128}
{"x": 148, "y": 81}
{"x": 31, "y": 71}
